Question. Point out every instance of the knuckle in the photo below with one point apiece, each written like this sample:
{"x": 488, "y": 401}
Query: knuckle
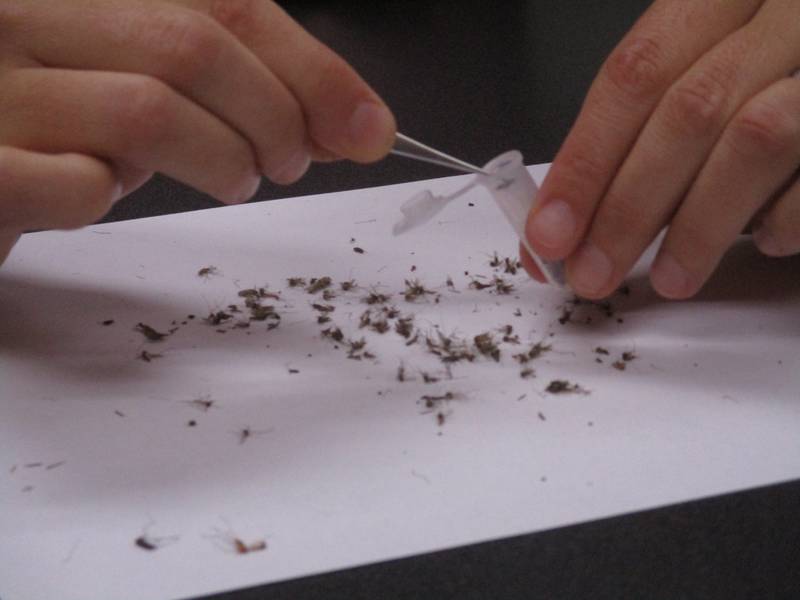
{"x": 582, "y": 168}
{"x": 621, "y": 219}
{"x": 144, "y": 110}
{"x": 637, "y": 67}
{"x": 236, "y": 15}
{"x": 766, "y": 129}
{"x": 185, "y": 42}
{"x": 697, "y": 105}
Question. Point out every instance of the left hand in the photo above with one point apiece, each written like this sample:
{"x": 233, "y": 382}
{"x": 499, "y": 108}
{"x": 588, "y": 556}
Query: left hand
{"x": 692, "y": 123}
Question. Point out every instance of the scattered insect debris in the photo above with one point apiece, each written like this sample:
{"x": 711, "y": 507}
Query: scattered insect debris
{"x": 622, "y": 363}
{"x": 502, "y": 287}
{"x": 356, "y": 350}
{"x": 404, "y": 326}
{"x": 415, "y": 289}
{"x": 107, "y": 322}
{"x": 328, "y": 295}
{"x": 601, "y": 350}
{"x": 207, "y": 272}
{"x": 428, "y": 378}
{"x": 333, "y": 333}
{"x": 215, "y": 319}
{"x": 358, "y": 250}
{"x": 348, "y": 285}
{"x": 375, "y": 298}
{"x": 191, "y": 423}
{"x": 318, "y": 284}
{"x": 541, "y": 416}
{"x": 401, "y": 373}
{"x": 296, "y": 282}
{"x": 379, "y": 326}
{"x": 432, "y": 402}
{"x": 527, "y": 373}
{"x": 495, "y": 261}
{"x": 229, "y": 542}
{"x": 508, "y": 335}
{"x": 323, "y": 308}
{"x": 149, "y": 333}
{"x": 561, "y": 386}
{"x": 294, "y": 371}
{"x": 245, "y": 433}
{"x": 151, "y": 543}
{"x": 203, "y": 403}
{"x": 475, "y": 284}
{"x": 147, "y": 357}
{"x": 119, "y": 413}
{"x": 261, "y": 293}
{"x": 518, "y": 312}
{"x": 485, "y": 344}
{"x": 535, "y": 351}
{"x": 511, "y": 266}
{"x": 449, "y": 349}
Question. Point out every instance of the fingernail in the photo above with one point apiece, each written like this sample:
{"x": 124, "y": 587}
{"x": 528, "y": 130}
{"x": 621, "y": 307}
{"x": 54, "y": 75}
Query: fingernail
{"x": 247, "y": 191}
{"x": 369, "y": 122}
{"x": 116, "y": 195}
{"x": 553, "y": 226}
{"x": 294, "y": 168}
{"x": 766, "y": 242}
{"x": 591, "y": 270}
{"x": 668, "y": 277}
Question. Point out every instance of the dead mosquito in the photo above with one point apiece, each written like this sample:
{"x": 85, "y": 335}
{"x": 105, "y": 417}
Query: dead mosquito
{"x": 333, "y": 333}
{"x": 405, "y": 326}
{"x": 203, "y": 403}
{"x": 415, "y": 289}
{"x": 318, "y": 284}
{"x": 245, "y": 433}
{"x": 296, "y": 282}
{"x": 149, "y": 333}
{"x": 375, "y": 298}
{"x": 561, "y": 386}
{"x": 146, "y": 356}
{"x": 485, "y": 344}
{"x": 323, "y": 308}
{"x": 348, "y": 285}
{"x": 217, "y": 318}
{"x": 207, "y": 272}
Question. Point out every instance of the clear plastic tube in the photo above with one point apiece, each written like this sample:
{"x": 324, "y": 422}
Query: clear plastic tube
{"x": 514, "y": 191}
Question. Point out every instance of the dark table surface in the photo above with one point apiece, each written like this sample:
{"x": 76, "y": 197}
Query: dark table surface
{"x": 475, "y": 79}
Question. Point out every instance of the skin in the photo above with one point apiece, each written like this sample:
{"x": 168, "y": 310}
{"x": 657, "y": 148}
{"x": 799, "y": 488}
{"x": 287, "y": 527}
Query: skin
{"x": 693, "y": 125}
{"x": 214, "y": 93}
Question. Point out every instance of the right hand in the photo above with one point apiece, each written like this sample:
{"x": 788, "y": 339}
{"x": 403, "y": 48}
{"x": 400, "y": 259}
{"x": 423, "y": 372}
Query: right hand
{"x": 96, "y": 95}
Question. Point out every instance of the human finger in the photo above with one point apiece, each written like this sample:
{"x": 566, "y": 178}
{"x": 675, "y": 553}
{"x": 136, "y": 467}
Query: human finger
{"x": 132, "y": 119}
{"x": 529, "y": 265}
{"x": 188, "y": 51}
{"x": 757, "y": 154}
{"x": 343, "y": 114}
{"x": 675, "y": 143}
{"x": 661, "y": 46}
{"x": 778, "y": 232}
{"x": 46, "y": 191}
{"x": 7, "y": 241}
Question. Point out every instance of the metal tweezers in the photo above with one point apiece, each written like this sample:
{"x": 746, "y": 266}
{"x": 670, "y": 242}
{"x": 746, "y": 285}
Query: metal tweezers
{"x": 405, "y": 146}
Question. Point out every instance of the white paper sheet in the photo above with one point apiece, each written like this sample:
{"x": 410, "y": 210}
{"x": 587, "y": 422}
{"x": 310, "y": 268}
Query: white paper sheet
{"x": 345, "y": 465}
